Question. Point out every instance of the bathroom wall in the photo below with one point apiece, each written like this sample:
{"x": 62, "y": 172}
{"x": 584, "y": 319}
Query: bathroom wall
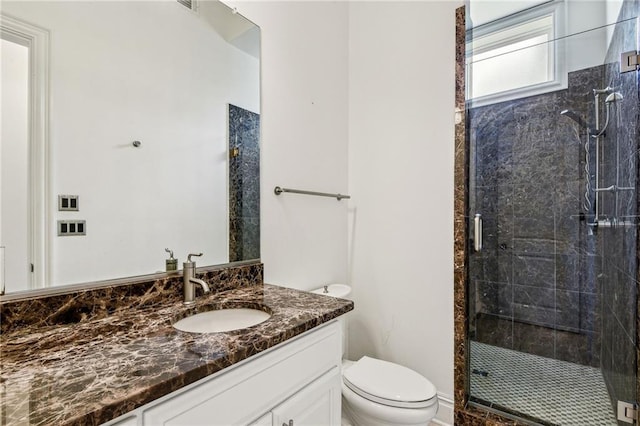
{"x": 304, "y": 139}
{"x": 326, "y": 80}
{"x": 401, "y": 119}
{"x": 618, "y": 247}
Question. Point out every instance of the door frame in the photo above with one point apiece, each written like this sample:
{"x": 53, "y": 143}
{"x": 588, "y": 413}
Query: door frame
{"x": 37, "y": 40}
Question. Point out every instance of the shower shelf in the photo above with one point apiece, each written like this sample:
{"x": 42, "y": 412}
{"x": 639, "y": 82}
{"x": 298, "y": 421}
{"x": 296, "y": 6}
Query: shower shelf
{"x": 606, "y": 223}
{"x": 614, "y": 188}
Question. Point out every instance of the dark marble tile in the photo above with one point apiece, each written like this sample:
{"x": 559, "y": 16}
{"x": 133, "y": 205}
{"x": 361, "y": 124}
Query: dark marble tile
{"x": 90, "y": 372}
{"x": 568, "y": 206}
{"x": 580, "y": 348}
{"x": 534, "y": 247}
{"x": 505, "y": 300}
{"x": 244, "y": 184}
{"x": 468, "y": 418}
{"x": 461, "y": 230}
{"x": 534, "y": 226}
{"x": 624, "y": 366}
{"x": 486, "y": 300}
{"x": 533, "y": 201}
{"x": 87, "y": 305}
{"x": 568, "y": 272}
{"x": 569, "y": 310}
{"x": 527, "y": 141}
{"x": 495, "y": 331}
{"x": 589, "y": 267}
{"x": 534, "y": 340}
{"x": 534, "y": 271}
{"x": 590, "y": 312}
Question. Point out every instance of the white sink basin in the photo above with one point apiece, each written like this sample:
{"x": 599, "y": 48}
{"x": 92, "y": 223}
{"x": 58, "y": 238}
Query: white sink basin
{"x": 222, "y": 320}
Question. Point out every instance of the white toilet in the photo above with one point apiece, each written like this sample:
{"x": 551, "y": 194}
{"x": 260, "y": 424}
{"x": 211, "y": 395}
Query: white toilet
{"x": 381, "y": 393}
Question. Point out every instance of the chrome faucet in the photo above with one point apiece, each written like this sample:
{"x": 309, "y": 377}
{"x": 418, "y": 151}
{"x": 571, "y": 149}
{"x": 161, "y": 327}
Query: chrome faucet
{"x": 189, "y": 270}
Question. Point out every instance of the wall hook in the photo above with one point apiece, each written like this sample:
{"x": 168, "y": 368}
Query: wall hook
{"x": 137, "y": 144}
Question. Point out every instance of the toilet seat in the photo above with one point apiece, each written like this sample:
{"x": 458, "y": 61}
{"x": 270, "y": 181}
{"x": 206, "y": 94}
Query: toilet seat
{"x": 389, "y": 384}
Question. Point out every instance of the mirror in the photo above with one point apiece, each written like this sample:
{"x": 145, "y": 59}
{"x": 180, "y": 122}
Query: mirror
{"x": 153, "y": 127}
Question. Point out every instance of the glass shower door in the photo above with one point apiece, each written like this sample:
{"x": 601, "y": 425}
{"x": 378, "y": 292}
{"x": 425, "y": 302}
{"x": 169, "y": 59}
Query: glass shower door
{"x": 553, "y": 199}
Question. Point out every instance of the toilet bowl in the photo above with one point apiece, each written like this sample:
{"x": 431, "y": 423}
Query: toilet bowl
{"x": 381, "y": 393}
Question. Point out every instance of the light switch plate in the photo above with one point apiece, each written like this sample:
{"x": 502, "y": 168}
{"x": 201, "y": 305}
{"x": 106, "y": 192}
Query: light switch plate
{"x": 68, "y": 228}
{"x": 68, "y": 203}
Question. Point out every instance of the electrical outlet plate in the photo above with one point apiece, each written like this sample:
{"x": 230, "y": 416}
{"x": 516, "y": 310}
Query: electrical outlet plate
{"x": 68, "y": 228}
{"x": 68, "y": 203}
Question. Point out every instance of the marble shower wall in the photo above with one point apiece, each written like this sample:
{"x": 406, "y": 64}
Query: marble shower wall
{"x": 244, "y": 184}
{"x": 617, "y": 247}
{"x": 613, "y": 253}
{"x": 532, "y": 285}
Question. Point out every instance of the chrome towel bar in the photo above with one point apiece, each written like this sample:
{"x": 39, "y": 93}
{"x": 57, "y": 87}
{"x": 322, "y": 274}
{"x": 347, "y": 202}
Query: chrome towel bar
{"x": 277, "y": 190}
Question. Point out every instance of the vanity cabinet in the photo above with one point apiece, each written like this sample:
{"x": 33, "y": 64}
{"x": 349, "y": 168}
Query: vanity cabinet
{"x": 298, "y": 381}
{"x": 316, "y": 404}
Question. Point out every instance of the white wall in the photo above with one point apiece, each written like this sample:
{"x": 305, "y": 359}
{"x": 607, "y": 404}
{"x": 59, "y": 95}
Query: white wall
{"x": 148, "y": 71}
{"x": 587, "y": 46}
{"x": 612, "y": 11}
{"x": 379, "y": 75}
{"x": 304, "y": 139}
{"x": 14, "y": 156}
{"x": 401, "y": 160}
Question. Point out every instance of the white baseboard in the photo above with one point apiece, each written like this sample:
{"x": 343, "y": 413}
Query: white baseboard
{"x": 444, "y": 417}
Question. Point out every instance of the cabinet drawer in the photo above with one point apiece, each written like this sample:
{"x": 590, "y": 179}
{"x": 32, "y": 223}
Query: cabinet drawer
{"x": 242, "y": 394}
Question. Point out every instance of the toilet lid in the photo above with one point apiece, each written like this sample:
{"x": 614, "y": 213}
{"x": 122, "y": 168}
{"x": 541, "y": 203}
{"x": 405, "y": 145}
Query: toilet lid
{"x": 388, "y": 383}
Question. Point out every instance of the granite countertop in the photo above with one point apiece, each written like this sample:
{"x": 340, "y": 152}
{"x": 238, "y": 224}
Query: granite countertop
{"x": 89, "y": 372}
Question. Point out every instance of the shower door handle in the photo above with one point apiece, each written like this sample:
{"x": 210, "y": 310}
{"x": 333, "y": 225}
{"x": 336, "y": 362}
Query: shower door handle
{"x": 477, "y": 232}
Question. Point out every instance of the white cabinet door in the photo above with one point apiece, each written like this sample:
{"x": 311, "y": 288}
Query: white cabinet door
{"x": 126, "y": 420}
{"x": 317, "y": 404}
{"x": 239, "y": 395}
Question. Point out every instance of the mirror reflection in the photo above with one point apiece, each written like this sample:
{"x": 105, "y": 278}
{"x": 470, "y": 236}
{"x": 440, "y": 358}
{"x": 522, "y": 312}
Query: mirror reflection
{"x": 137, "y": 131}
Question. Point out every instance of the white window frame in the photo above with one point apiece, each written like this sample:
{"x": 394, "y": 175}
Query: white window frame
{"x": 556, "y": 9}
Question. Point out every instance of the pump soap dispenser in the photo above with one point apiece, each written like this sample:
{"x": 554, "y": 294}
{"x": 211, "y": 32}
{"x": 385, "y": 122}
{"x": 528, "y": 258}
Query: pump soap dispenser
{"x": 171, "y": 263}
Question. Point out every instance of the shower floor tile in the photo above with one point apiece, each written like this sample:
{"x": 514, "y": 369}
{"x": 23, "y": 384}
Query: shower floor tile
{"x": 554, "y": 391}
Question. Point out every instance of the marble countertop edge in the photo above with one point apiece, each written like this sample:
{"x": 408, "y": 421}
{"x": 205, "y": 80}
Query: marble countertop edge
{"x": 91, "y": 372}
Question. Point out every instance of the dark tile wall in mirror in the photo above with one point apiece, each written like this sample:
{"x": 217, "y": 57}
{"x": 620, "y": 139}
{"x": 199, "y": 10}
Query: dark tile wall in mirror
{"x": 244, "y": 184}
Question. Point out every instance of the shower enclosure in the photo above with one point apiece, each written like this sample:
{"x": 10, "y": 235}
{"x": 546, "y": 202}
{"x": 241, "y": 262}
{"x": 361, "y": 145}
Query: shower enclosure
{"x": 553, "y": 134}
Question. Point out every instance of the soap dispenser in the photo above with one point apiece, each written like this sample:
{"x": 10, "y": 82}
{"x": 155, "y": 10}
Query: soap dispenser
{"x": 171, "y": 263}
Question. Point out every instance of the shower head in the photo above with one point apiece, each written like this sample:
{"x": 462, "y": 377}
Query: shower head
{"x": 613, "y": 97}
{"x": 575, "y": 117}
{"x": 610, "y": 99}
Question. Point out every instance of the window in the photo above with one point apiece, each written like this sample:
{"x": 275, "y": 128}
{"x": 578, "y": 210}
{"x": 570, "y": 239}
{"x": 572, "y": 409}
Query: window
{"x": 515, "y": 56}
